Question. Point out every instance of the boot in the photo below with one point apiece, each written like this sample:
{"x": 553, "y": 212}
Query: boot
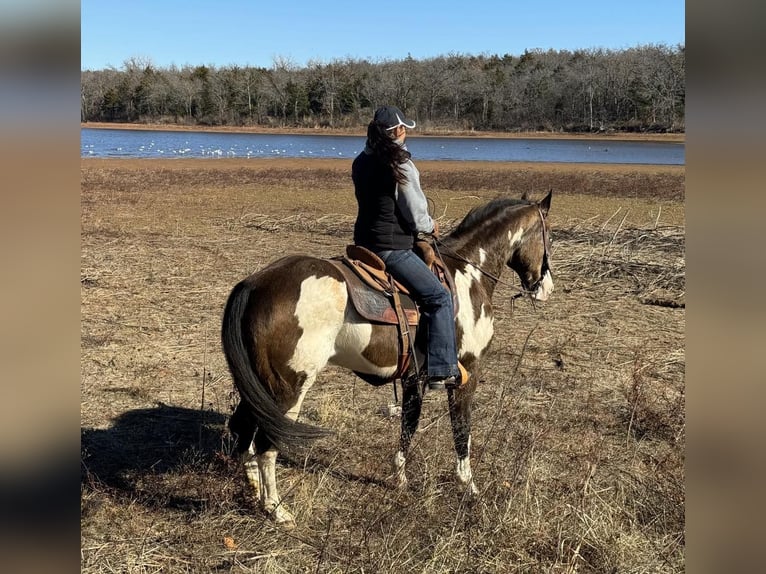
{"x": 438, "y": 383}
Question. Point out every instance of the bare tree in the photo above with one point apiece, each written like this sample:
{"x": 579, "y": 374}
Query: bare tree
{"x": 247, "y": 82}
{"x": 433, "y": 84}
{"x": 189, "y": 86}
{"x": 593, "y": 89}
{"x": 278, "y": 77}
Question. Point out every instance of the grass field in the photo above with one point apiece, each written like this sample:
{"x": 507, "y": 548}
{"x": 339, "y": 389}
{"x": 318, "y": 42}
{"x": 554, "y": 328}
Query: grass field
{"x": 578, "y": 427}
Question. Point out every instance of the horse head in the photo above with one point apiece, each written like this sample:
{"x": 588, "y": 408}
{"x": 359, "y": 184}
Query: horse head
{"x": 530, "y": 256}
{"x": 508, "y": 232}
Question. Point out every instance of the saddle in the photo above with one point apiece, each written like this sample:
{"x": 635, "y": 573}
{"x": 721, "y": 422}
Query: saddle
{"x": 379, "y": 298}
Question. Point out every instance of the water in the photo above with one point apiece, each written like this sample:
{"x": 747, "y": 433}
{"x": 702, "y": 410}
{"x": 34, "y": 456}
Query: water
{"x": 181, "y": 144}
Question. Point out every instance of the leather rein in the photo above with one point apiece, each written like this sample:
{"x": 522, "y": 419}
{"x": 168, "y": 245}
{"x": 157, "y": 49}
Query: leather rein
{"x": 521, "y": 291}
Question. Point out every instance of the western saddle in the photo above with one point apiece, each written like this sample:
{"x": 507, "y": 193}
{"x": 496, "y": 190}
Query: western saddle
{"x": 379, "y": 298}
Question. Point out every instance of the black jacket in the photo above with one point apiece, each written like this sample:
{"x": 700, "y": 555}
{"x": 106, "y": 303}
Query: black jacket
{"x": 379, "y": 222}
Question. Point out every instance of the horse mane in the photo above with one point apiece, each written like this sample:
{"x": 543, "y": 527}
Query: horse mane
{"x": 479, "y": 215}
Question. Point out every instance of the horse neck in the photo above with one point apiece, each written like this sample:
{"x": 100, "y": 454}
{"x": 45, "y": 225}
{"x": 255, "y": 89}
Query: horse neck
{"x": 490, "y": 246}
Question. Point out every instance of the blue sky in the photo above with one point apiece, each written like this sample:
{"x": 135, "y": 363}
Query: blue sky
{"x": 255, "y": 32}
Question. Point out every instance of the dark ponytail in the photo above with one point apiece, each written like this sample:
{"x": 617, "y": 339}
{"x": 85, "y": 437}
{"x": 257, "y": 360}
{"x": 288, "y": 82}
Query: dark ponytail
{"x": 384, "y": 147}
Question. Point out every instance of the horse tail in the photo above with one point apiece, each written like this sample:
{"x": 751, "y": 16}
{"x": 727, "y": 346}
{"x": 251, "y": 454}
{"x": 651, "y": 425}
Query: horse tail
{"x": 237, "y": 337}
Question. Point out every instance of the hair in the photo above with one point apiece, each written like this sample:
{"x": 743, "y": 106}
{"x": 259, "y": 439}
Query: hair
{"x": 386, "y": 149}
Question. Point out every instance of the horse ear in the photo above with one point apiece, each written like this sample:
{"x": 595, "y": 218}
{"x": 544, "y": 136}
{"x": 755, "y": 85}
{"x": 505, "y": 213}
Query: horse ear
{"x": 525, "y": 196}
{"x": 545, "y": 203}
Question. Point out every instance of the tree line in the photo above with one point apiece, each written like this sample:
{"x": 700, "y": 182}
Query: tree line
{"x": 635, "y": 89}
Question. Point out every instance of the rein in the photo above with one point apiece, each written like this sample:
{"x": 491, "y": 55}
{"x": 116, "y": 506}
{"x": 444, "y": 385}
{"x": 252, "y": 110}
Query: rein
{"x": 521, "y": 291}
{"x": 495, "y": 278}
{"x": 455, "y": 255}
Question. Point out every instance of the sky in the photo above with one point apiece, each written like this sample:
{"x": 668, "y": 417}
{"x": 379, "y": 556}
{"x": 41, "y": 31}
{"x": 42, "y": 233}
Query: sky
{"x": 257, "y": 33}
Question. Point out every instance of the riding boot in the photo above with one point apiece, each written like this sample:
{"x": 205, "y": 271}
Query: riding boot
{"x": 448, "y": 382}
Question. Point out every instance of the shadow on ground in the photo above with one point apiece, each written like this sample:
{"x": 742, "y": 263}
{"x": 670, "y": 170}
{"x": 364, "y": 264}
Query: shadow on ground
{"x": 178, "y": 458}
{"x": 145, "y": 448}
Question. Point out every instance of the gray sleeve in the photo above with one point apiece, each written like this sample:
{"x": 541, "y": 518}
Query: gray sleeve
{"x": 412, "y": 201}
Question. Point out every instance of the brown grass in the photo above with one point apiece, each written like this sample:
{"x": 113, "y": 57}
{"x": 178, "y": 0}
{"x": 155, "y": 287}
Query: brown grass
{"x": 579, "y": 436}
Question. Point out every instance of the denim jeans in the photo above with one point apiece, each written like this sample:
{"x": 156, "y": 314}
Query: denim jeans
{"x": 436, "y": 309}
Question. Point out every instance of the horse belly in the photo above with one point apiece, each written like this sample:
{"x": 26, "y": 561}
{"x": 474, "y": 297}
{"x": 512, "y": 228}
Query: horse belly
{"x": 366, "y": 348}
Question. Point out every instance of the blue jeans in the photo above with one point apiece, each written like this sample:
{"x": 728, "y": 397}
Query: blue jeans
{"x": 436, "y": 309}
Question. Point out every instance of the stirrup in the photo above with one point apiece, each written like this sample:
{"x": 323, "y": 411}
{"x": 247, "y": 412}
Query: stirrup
{"x": 450, "y": 382}
{"x": 439, "y": 384}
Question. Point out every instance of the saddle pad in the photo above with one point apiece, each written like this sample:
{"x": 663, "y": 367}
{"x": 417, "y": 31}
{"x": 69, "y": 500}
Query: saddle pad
{"x": 375, "y": 305}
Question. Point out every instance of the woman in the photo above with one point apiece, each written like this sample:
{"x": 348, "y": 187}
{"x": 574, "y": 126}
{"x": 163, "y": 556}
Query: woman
{"x": 392, "y": 212}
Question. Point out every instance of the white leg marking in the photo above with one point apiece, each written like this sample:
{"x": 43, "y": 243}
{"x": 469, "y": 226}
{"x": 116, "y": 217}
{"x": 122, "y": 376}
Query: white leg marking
{"x": 400, "y": 477}
{"x": 251, "y": 471}
{"x": 270, "y": 497}
{"x": 464, "y": 473}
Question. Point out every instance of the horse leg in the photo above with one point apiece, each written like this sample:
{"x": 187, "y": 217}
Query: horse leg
{"x": 252, "y": 474}
{"x": 412, "y": 402}
{"x": 242, "y": 427}
{"x": 460, "y": 415}
{"x": 319, "y": 321}
{"x": 258, "y": 457}
{"x": 270, "y": 500}
{"x": 267, "y": 463}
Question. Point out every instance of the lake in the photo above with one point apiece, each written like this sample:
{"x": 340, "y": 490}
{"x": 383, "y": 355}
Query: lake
{"x": 116, "y": 143}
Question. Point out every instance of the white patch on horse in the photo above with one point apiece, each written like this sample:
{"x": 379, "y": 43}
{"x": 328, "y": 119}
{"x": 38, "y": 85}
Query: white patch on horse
{"x": 514, "y": 238}
{"x": 271, "y": 501}
{"x": 482, "y": 256}
{"x": 464, "y": 473}
{"x": 477, "y": 331}
{"x": 319, "y": 311}
{"x": 545, "y": 289}
{"x": 252, "y": 472}
{"x": 400, "y": 462}
{"x": 352, "y": 340}
{"x": 295, "y": 410}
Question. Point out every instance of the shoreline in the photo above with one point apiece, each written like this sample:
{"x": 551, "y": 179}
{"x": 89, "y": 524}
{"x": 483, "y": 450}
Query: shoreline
{"x": 343, "y": 164}
{"x": 616, "y": 136}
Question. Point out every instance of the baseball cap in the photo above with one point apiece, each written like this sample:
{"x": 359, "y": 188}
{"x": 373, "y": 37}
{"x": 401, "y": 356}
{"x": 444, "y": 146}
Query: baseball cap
{"x": 392, "y": 117}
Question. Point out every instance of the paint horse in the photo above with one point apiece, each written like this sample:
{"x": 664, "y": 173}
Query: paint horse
{"x": 286, "y": 322}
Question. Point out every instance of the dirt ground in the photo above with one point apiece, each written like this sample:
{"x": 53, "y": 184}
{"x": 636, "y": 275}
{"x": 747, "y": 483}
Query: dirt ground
{"x": 578, "y": 430}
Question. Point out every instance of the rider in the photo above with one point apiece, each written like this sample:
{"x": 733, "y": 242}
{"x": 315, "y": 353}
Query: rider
{"x": 392, "y": 213}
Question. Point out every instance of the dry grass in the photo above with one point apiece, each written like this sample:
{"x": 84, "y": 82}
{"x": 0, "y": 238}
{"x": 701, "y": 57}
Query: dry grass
{"x": 578, "y": 442}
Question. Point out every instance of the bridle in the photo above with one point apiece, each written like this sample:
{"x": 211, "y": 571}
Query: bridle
{"x": 545, "y": 267}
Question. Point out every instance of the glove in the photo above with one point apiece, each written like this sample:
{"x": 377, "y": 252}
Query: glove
{"x": 426, "y": 237}
{"x": 429, "y": 237}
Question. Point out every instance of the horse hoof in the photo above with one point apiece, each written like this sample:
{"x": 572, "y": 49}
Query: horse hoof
{"x": 396, "y": 482}
{"x": 285, "y": 524}
{"x": 283, "y": 518}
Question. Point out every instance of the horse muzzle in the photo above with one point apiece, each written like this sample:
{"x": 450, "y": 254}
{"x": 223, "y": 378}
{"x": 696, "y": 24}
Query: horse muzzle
{"x": 544, "y": 287}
